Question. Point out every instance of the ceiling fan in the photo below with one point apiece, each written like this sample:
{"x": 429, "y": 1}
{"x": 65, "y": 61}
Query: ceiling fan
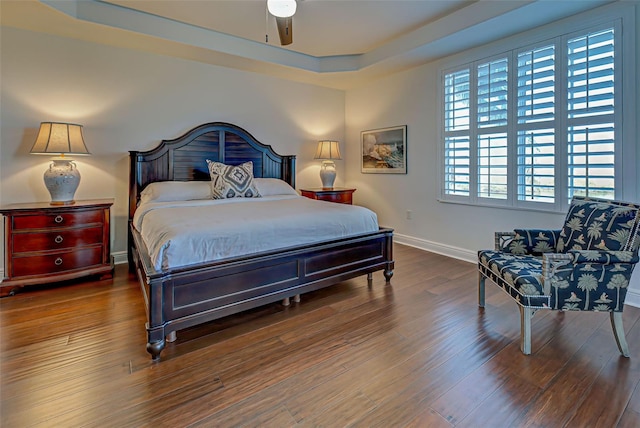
{"x": 283, "y": 11}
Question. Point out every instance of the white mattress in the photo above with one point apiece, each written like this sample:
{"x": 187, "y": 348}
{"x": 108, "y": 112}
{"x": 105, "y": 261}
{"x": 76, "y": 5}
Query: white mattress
{"x": 188, "y": 232}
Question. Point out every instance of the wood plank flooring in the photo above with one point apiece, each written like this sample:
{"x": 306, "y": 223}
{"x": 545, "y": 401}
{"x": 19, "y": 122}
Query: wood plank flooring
{"x": 416, "y": 353}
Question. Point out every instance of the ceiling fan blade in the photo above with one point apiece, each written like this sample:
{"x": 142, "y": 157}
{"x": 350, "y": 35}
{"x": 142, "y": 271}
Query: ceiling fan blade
{"x": 285, "y": 30}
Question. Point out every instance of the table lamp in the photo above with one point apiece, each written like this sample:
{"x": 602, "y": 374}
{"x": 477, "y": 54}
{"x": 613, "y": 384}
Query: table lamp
{"x": 328, "y": 151}
{"x": 62, "y": 178}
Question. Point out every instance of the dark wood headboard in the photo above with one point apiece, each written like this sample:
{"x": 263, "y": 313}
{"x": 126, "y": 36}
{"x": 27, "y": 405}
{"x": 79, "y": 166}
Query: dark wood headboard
{"x": 184, "y": 158}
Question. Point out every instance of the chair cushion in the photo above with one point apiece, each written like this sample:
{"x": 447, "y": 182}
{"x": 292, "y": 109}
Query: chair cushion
{"x": 597, "y": 224}
{"x": 520, "y": 276}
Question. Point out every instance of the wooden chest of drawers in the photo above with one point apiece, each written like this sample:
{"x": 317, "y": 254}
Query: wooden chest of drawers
{"x": 45, "y": 243}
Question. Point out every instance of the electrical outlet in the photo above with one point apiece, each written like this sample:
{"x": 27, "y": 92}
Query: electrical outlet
{"x": 409, "y": 214}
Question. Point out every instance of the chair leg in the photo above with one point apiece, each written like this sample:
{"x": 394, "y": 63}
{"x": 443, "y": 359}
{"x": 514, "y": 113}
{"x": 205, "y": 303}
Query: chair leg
{"x": 618, "y": 332}
{"x": 481, "y": 279}
{"x": 525, "y": 329}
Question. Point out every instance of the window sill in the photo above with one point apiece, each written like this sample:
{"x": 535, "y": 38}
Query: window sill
{"x": 550, "y": 210}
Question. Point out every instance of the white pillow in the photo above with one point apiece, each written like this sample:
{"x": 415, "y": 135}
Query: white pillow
{"x": 167, "y": 191}
{"x": 273, "y": 186}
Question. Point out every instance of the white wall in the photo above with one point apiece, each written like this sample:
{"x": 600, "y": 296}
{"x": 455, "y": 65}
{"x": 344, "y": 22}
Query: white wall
{"x": 130, "y": 100}
{"x": 411, "y": 98}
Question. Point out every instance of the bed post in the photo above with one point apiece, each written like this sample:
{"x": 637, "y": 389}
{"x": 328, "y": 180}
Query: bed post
{"x": 388, "y": 271}
{"x": 156, "y": 333}
{"x": 134, "y": 191}
{"x": 288, "y": 170}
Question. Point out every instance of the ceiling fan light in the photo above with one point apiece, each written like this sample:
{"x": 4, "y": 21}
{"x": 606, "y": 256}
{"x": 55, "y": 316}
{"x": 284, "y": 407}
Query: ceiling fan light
{"x": 282, "y": 8}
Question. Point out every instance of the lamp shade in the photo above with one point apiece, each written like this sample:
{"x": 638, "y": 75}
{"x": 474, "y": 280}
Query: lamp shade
{"x": 282, "y": 8}
{"x": 59, "y": 138}
{"x": 328, "y": 150}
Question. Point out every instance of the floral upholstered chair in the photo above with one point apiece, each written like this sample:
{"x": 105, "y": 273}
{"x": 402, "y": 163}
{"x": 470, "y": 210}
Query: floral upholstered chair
{"x": 585, "y": 266}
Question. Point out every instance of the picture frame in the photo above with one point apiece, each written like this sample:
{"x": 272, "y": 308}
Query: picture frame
{"x": 384, "y": 151}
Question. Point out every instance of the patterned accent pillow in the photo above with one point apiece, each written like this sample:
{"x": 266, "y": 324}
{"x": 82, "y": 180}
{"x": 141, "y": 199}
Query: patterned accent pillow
{"x": 598, "y": 224}
{"x": 229, "y": 181}
{"x": 533, "y": 241}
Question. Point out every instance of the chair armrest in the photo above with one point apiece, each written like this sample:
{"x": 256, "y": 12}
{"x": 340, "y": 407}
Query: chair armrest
{"x": 503, "y": 239}
{"x": 533, "y": 242}
{"x": 552, "y": 263}
{"x": 588, "y": 279}
{"x": 603, "y": 257}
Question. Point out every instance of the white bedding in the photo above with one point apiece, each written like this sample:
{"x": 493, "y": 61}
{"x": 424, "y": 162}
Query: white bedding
{"x": 181, "y": 233}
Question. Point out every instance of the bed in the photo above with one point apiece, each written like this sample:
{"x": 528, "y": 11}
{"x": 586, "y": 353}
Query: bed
{"x": 179, "y": 295}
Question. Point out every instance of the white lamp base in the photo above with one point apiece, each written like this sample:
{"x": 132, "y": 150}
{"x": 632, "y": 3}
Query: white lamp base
{"x": 328, "y": 174}
{"x": 62, "y": 179}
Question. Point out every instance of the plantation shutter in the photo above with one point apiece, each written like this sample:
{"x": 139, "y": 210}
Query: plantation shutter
{"x": 456, "y": 130}
{"x": 535, "y": 125}
{"x": 492, "y": 91}
{"x": 590, "y": 115}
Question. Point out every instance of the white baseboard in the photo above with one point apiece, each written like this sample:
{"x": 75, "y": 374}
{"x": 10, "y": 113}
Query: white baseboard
{"x": 632, "y": 299}
{"x": 435, "y": 247}
{"x": 120, "y": 257}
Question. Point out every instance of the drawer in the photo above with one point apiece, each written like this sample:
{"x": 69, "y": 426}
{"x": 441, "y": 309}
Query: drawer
{"x": 67, "y": 238}
{"x": 61, "y": 219}
{"x": 56, "y": 262}
{"x": 342, "y": 198}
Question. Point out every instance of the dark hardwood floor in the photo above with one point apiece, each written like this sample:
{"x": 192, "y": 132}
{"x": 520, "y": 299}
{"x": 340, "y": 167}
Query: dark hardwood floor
{"x": 417, "y": 353}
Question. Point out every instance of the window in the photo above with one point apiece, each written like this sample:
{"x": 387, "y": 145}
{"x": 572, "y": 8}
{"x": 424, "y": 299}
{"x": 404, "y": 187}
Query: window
{"x": 591, "y": 114}
{"x": 536, "y": 125}
{"x": 457, "y": 126}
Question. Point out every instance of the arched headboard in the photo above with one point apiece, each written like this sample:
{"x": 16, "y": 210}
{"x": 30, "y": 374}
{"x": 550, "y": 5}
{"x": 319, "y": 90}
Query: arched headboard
{"x": 184, "y": 158}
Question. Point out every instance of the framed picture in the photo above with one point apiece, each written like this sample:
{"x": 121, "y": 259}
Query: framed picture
{"x": 384, "y": 151}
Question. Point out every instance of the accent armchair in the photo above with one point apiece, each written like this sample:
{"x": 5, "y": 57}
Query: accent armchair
{"x": 585, "y": 266}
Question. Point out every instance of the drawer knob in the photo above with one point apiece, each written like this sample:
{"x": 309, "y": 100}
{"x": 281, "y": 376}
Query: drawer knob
{"x": 58, "y": 219}
{"x": 58, "y": 261}
{"x": 58, "y": 239}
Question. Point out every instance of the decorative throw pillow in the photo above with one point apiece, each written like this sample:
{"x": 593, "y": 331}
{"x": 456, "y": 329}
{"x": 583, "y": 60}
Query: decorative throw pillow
{"x": 229, "y": 181}
{"x": 533, "y": 241}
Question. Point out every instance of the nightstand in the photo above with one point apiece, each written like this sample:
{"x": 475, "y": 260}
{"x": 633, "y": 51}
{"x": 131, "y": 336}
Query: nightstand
{"x": 335, "y": 194}
{"x": 49, "y": 243}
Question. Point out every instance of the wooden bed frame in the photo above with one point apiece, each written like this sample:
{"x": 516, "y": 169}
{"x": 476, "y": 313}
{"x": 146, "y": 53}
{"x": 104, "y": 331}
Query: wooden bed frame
{"x": 183, "y": 297}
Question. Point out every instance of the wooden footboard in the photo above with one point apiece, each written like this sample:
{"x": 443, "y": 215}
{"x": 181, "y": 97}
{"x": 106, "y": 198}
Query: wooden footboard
{"x": 184, "y": 297}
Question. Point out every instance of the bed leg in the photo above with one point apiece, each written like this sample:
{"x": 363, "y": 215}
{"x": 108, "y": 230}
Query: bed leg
{"x": 388, "y": 273}
{"x": 286, "y": 301}
{"x": 154, "y": 348}
{"x": 296, "y": 298}
{"x": 370, "y": 279}
{"x": 171, "y": 337}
